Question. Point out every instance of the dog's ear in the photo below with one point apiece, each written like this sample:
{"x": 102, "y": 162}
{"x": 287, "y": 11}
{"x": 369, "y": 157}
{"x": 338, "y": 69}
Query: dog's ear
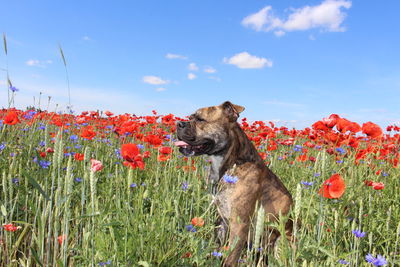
{"x": 232, "y": 111}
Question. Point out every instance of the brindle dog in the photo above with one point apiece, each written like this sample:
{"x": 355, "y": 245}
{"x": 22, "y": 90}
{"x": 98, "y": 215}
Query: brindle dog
{"x": 214, "y": 131}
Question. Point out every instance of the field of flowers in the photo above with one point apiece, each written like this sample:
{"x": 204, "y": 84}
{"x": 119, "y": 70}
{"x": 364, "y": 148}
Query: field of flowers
{"x": 99, "y": 189}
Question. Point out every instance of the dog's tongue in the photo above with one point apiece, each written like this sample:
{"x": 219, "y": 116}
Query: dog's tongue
{"x": 181, "y": 143}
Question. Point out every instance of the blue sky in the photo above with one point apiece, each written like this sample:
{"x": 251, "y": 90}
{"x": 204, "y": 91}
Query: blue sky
{"x": 290, "y": 61}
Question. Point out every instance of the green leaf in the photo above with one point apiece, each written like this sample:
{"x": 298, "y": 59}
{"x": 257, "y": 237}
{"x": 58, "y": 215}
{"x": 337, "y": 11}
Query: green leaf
{"x": 3, "y": 210}
{"x": 38, "y": 187}
{"x": 36, "y": 257}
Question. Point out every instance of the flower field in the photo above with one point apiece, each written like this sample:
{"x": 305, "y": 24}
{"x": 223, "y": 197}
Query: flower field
{"x": 99, "y": 189}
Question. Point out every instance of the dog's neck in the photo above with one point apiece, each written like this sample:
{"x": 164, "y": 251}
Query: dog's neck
{"x": 238, "y": 152}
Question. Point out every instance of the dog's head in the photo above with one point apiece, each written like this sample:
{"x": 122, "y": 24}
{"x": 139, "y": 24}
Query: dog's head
{"x": 207, "y": 131}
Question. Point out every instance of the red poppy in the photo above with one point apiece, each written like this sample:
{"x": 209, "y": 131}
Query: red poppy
{"x": 319, "y": 125}
{"x": 11, "y": 118}
{"x": 108, "y": 113}
{"x": 88, "y": 133}
{"x": 61, "y": 239}
{"x": 79, "y": 156}
{"x": 372, "y": 130}
{"x": 130, "y": 152}
{"x": 334, "y": 187}
{"x": 331, "y": 120}
{"x": 11, "y": 227}
{"x": 197, "y": 221}
{"x": 165, "y": 150}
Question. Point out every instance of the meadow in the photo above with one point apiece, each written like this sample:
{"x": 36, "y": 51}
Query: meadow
{"x": 98, "y": 189}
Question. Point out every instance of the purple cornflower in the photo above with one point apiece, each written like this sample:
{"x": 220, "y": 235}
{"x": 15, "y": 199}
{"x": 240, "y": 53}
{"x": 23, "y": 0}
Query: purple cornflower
{"x": 317, "y": 174}
{"x": 378, "y": 261}
{"x": 358, "y": 233}
{"x": 190, "y": 228}
{"x": 73, "y": 138}
{"x": 140, "y": 146}
{"x": 133, "y": 185}
{"x": 1, "y": 123}
{"x": 385, "y": 174}
{"x": 42, "y": 126}
{"x": 343, "y": 262}
{"x": 185, "y": 186}
{"x": 230, "y": 179}
{"x": 2, "y": 146}
{"x": 14, "y": 89}
{"x": 15, "y": 181}
{"x": 340, "y": 150}
{"x": 217, "y": 254}
{"x": 44, "y": 164}
{"x": 339, "y": 161}
{"x": 105, "y": 263}
{"x": 297, "y": 148}
{"x": 78, "y": 180}
{"x": 307, "y": 184}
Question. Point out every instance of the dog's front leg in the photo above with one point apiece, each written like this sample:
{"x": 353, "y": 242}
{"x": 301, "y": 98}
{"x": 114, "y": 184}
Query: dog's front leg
{"x": 243, "y": 203}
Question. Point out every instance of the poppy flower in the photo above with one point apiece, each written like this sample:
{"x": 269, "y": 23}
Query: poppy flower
{"x": 61, "y": 238}
{"x": 165, "y": 150}
{"x": 331, "y": 121}
{"x": 197, "y": 222}
{"x": 129, "y": 151}
{"x": 372, "y": 130}
{"x": 11, "y": 227}
{"x": 88, "y": 133}
{"x": 96, "y": 165}
{"x": 79, "y": 156}
{"x": 11, "y": 118}
{"x": 334, "y": 187}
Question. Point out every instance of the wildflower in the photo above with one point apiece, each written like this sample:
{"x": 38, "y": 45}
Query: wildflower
{"x": 372, "y": 130}
{"x": 317, "y": 174}
{"x": 15, "y": 181}
{"x": 297, "y": 148}
{"x": 340, "y": 150}
{"x": 88, "y": 133}
{"x": 77, "y": 179}
{"x": 344, "y": 262}
{"x": 61, "y": 239}
{"x": 378, "y": 186}
{"x": 307, "y": 184}
{"x": 11, "y": 227}
{"x": 197, "y": 221}
{"x": 133, "y": 185}
{"x": 217, "y": 254}
{"x": 230, "y": 179}
{"x": 44, "y": 164}
{"x": 96, "y": 165}
{"x": 79, "y": 156}
{"x": 185, "y": 186}
{"x": 190, "y": 228}
{"x": 73, "y": 138}
{"x": 105, "y": 263}
{"x": 334, "y": 187}
{"x": 42, "y": 143}
{"x": 11, "y": 118}
{"x": 358, "y": 233}
{"x": 2, "y": 146}
{"x": 378, "y": 261}
{"x": 14, "y": 89}
{"x": 130, "y": 152}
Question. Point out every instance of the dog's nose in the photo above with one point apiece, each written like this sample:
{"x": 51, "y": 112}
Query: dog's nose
{"x": 181, "y": 124}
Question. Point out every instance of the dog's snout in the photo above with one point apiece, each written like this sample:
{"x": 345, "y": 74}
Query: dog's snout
{"x": 181, "y": 124}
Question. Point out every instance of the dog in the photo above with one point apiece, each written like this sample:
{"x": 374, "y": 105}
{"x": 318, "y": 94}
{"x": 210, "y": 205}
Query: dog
{"x": 214, "y": 131}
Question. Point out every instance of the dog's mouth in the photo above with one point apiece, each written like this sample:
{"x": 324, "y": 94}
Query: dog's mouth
{"x": 194, "y": 149}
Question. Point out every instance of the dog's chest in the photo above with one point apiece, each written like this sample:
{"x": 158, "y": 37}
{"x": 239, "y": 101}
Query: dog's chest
{"x": 226, "y": 189}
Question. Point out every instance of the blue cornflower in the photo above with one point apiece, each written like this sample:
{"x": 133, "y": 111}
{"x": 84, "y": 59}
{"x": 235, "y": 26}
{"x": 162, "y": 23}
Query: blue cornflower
{"x": 1, "y": 123}
{"x": 44, "y": 164}
{"x": 185, "y": 186}
{"x": 15, "y": 181}
{"x": 42, "y": 126}
{"x": 340, "y": 150}
{"x": 42, "y": 143}
{"x": 109, "y": 127}
{"x": 307, "y": 184}
{"x": 190, "y": 228}
{"x": 168, "y": 136}
{"x": 280, "y": 158}
{"x": 143, "y": 184}
{"x": 34, "y": 159}
{"x": 14, "y": 89}
{"x": 317, "y": 174}
{"x": 67, "y": 154}
{"x": 140, "y": 146}
{"x": 118, "y": 153}
{"x": 12, "y": 154}
{"x": 133, "y": 185}
{"x": 378, "y": 261}
{"x": 78, "y": 146}
{"x": 385, "y": 174}
{"x": 78, "y": 180}
{"x": 339, "y": 161}
{"x": 230, "y": 179}
{"x": 217, "y": 254}
{"x": 343, "y": 262}
{"x": 297, "y": 148}
{"x": 2, "y": 146}
{"x": 105, "y": 263}
{"x": 358, "y": 233}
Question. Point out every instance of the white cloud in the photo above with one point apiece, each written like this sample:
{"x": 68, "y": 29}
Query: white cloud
{"x": 86, "y": 38}
{"x": 191, "y": 76}
{"x": 160, "y": 89}
{"x": 246, "y": 61}
{"x": 154, "y": 80}
{"x": 279, "y": 33}
{"x": 193, "y": 67}
{"x": 328, "y": 15}
{"x": 210, "y": 69}
{"x": 38, "y": 63}
{"x": 175, "y": 56}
